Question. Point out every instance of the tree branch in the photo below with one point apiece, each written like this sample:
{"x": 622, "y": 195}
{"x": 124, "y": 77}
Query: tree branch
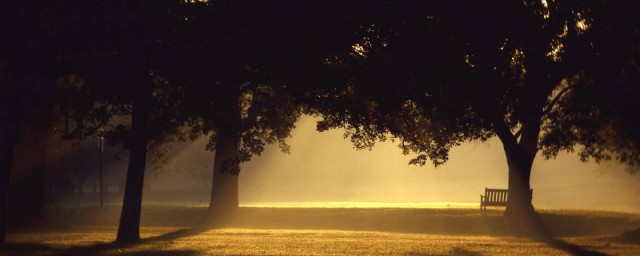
{"x": 249, "y": 87}
{"x": 502, "y": 130}
{"x": 518, "y": 133}
{"x": 555, "y": 100}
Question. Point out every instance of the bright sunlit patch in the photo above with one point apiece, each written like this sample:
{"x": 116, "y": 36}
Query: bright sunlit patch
{"x": 359, "y": 49}
{"x": 557, "y": 47}
{"x": 545, "y": 13}
{"x": 582, "y": 25}
{"x": 429, "y": 205}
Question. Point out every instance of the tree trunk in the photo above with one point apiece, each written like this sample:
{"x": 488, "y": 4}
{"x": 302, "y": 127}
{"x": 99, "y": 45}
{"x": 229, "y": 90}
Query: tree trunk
{"x": 224, "y": 191}
{"x": 522, "y": 217}
{"x": 28, "y": 182}
{"x": 519, "y": 199}
{"x": 27, "y": 200}
{"x": 8, "y": 137}
{"x": 520, "y": 214}
{"x": 129, "y": 229}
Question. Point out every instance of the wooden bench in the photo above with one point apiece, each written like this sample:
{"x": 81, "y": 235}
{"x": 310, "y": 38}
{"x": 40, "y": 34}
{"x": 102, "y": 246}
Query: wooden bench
{"x": 494, "y": 197}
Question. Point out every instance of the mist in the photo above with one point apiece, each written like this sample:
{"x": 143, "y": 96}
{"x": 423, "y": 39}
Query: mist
{"x": 324, "y": 167}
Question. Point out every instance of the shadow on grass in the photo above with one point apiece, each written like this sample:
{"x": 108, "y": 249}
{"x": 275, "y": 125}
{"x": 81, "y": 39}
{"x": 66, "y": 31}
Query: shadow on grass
{"x": 165, "y": 253}
{"x": 630, "y": 237}
{"x": 424, "y": 221}
{"x": 456, "y": 251}
{"x": 558, "y": 244}
{"x": 573, "y": 249}
{"x": 23, "y": 248}
{"x": 175, "y": 235}
{"x": 97, "y": 249}
{"x": 453, "y": 221}
{"x": 140, "y": 253}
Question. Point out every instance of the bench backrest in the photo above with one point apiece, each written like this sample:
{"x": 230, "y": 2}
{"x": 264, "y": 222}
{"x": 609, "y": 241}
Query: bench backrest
{"x": 495, "y": 195}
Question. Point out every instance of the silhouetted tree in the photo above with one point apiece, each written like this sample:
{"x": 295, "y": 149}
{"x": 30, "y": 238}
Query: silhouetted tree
{"x": 436, "y": 74}
{"x": 116, "y": 53}
{"x": 140, "y": 30}
{"x": 246, "y": 67}
{"x": 227, "y": 94}
{"x": 27, "y": 85}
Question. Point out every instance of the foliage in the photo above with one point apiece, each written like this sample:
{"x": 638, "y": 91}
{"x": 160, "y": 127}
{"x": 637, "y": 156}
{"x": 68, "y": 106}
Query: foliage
{"x": 598, "y": 109}
{"x": 433, "y": 76}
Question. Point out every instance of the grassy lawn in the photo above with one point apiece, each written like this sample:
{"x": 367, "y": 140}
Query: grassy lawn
{"x": 281, "y": 231}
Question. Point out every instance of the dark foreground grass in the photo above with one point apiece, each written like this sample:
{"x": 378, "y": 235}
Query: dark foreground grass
{"x": 173, "y": 230}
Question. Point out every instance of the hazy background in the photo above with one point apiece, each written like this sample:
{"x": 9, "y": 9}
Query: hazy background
{"x": 325, "y": 167}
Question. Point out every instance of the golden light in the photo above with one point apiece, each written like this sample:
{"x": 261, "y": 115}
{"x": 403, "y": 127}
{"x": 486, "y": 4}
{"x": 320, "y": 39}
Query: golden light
{"x": 545, "y": 12}
{"x": 359, "y": 49}
{"x": 582, "y": 25}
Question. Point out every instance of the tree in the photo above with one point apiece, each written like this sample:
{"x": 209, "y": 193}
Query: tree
{"x": 116, "y": 52}
{"x": 141, "y": 30}
{"x": 434, "y": 75}
{"x": 27, "y": 85}
{"x": 228, "y": 99}
{"x": 245, "y": 71}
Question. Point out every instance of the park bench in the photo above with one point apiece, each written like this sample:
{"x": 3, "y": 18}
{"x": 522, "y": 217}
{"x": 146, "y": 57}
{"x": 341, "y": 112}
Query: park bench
{"x": 494, "y": 197}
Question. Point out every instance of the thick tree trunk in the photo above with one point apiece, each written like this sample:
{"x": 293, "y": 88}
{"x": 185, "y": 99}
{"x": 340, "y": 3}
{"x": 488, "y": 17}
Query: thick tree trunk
{"x": 27, "y": 199}
{"x": 520, "y": 214}
{"x": 522, "y": 217}
{"x": 224, "y": 191}
{"x": 8, "y": 137}
{"x": 519, "y": 200}
{"x": 129, "y": 229}
{"x": 28, "y": 180}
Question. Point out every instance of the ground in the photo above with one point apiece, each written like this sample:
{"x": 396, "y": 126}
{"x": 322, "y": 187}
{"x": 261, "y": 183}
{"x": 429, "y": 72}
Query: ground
{"x": 172, "y": 230}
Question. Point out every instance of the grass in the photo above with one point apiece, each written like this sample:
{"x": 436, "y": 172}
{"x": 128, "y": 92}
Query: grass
{"x": 307, "y": 231}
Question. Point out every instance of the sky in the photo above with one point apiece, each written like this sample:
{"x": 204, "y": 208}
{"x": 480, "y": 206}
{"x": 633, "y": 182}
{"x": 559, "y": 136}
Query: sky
{"x": 325, "y": 167}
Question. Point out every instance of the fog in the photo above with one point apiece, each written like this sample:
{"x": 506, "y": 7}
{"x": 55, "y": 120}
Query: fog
{"x": 324, "y": 167}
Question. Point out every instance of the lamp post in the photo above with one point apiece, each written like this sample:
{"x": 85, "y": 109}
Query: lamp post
{"x": 100, "y": 144}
